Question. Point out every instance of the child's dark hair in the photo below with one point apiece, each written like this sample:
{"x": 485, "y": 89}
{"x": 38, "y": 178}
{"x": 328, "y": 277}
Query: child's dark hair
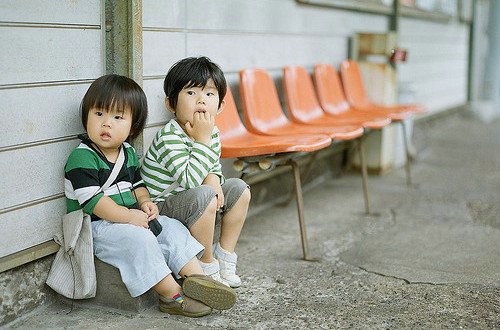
{"x": 193, "y": 72}
{"x": 114, "y": 91}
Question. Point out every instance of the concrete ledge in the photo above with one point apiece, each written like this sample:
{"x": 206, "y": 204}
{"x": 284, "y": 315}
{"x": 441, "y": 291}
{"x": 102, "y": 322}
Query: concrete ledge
{"x": 112, "y": 293}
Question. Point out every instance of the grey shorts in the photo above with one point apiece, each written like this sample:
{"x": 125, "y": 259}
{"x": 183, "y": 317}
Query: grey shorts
{"x": 189, "y": 205}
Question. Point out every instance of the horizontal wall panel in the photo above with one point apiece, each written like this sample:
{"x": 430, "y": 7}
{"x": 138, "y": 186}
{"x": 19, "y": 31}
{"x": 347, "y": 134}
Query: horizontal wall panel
{"x": 40, "y": 113}
{"x": 277, "y": 17}
{"x": 164, "y": 14}
{"x": 41, "y": 54}
{"x": 434, "y": 70}
{"x": 27, "y": 227}
{"x": 419, "y": 27}
{"x": 156, "y": 101}
{"x": 149, "y": 134}
{"x": 51, "y": 11}
{"x": 440, "y": 52}
{"x": 235, "y": 52}
{"x": 33, "y": 173}
{"x": 441, "y": 88}
{"x": 161, "y": 50}
{"x": 441, "y": 95}
{"x": 439, "y": 105}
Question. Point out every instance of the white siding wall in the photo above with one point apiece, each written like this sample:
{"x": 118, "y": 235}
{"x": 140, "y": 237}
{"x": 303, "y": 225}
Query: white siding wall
{"x": 51, "y": 51}
{"x": 437, "y": 64}
{"x": 238, "y": 34}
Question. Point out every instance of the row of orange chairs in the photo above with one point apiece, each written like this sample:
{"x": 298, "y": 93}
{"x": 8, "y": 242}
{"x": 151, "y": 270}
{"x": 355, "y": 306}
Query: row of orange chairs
{"x": 318, "y": 114}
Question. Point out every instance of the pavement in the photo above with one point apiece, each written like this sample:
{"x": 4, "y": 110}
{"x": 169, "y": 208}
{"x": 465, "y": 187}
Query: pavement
{"x": 428, "y": 257}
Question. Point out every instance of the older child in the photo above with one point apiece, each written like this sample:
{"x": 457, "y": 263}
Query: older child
{"x": 184, "y": 158}
{"x": 114, "y": 110}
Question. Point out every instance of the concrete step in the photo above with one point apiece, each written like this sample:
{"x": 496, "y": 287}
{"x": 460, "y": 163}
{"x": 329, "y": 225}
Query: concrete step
{"x": 111, "y": 291}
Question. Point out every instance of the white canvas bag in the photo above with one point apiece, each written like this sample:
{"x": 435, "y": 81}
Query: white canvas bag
{"x": 72, "y": 273}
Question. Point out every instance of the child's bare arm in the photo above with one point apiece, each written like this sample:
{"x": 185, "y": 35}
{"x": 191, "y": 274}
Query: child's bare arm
{"x": 107, "y": 209}
{"x": 145, "y": 203}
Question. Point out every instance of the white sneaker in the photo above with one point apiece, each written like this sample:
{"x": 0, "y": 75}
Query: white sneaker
{"x": 228, "y": 273}
{"x": 213, "y": 270}
{"x": 227, "y": 263}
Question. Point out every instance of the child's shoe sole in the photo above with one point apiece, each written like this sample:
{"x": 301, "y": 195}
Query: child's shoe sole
{"x": 209, "y": 291}
{"x": 177, "y": 311}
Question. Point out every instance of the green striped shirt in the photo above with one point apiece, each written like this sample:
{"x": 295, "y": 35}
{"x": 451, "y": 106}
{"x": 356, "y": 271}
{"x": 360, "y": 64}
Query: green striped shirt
{"x": 174, "y": 157}
{"x": 87, "y": 170}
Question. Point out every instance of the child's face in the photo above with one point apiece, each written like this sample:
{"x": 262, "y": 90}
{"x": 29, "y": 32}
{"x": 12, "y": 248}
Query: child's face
{"x": 196, "y": 99}
{"x": 108, "y": 129}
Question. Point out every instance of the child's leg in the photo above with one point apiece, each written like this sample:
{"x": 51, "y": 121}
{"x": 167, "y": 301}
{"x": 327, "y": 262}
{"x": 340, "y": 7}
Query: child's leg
{"x": 203, "y": 230}
{"x": 178, "y": 253}
{"x": 134, "y": 251}
{"x": 190, "y": 268}
{"x": 167, "y": 287}
{"x": 196, "y": 208}
{"x": 173, "y": 301}
{"x": 180, "y": 250}
{"x": 237, "y": 197}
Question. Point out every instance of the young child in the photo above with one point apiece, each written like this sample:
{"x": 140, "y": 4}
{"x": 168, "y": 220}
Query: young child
{"x": 184, "y": 158}
{"x": 114, "y": 110}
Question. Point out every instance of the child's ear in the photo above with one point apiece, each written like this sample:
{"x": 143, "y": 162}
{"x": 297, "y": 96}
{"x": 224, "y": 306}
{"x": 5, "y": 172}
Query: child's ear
{"x": 168, "y": 105}
{"x": 222, "y": 104}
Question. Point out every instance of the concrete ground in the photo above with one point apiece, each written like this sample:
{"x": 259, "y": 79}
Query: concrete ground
{"x": 428, "y": 258}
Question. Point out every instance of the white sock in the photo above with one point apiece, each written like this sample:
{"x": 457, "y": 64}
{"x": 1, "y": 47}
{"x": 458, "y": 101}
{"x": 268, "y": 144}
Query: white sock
{"x": 225, "y": 255}
{"x": 210, "y": 268}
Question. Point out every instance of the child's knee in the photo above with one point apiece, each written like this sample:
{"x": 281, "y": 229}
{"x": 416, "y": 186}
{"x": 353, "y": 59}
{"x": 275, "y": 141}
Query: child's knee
{"x": 246, "y": 196}
{"x": 212, "y": 207}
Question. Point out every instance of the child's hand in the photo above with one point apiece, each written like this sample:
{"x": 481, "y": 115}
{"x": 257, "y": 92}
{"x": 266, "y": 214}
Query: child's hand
{"x": 213, "y": 181}
{"x": 220, "y": 196}
{"x": 151, "y": 209}
{"x": 138, "y": 218}
{"x": 201, "y": 128}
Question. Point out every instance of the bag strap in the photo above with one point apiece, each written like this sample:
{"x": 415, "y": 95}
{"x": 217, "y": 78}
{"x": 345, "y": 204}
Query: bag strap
{"x": 165, "y": 192}
{"x": 114, "y": 172}
{"x": 170, "y": 188}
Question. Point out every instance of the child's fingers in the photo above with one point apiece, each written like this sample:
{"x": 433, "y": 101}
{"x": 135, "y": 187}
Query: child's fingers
{"x": 151, "y": 217}
{"x": 220, "y": 200}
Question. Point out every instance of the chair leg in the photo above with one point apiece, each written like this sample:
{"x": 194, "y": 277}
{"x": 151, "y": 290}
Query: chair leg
{"x": 364, "y": 174}
{"x": 300, "y": 209}
{"x": 406, "y": 144}
{"x": 305, "y": 174}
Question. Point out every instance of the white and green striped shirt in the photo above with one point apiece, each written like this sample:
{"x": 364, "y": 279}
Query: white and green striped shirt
{"x": 173, "y": 156}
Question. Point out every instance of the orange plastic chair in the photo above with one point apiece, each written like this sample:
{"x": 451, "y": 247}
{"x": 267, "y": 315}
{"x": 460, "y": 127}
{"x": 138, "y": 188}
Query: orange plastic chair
{"x": 264, "y": 115}
{"x": 357, "y": 97}
{"x": 238, "y": 142}
{"x": 332, "y": 100}
{"x": 303, "y": 107}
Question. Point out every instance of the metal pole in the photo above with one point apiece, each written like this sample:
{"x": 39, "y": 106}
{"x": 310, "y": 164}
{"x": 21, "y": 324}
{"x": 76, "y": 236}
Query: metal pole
{"x": 364, "y": 174}
{"x": 300, "y": 209}
{"x": 123, "y": 39}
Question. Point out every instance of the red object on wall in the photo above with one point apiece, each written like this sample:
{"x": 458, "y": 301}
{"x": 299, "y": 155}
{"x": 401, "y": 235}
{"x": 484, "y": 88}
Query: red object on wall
{"x": 398, "y": 55}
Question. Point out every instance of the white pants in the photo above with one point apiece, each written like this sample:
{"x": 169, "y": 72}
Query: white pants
{"x": 142, "y": 258}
